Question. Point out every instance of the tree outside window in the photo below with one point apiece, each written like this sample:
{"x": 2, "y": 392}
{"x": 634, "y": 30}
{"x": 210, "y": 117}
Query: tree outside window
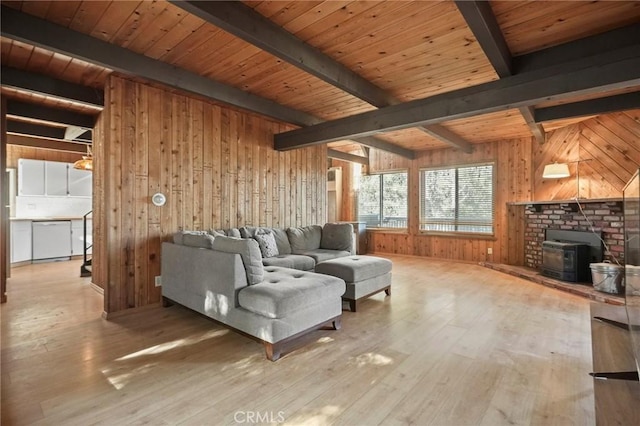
{"x": 457, "y": 199}
{"x": 382, "y": 200}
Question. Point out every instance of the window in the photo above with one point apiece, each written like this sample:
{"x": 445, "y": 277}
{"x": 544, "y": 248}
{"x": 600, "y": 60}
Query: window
{"x": 382, "y": 200}
{"x": 457, "y": 199}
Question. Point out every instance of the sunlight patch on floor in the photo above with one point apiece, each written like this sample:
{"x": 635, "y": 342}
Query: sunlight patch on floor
{"x": 164, "y": 347}
{"x": 119, "y": 380}
{"x": 371, "y": 358}
{"x": 325, "y": 339}
{"x": 322, "y": 417}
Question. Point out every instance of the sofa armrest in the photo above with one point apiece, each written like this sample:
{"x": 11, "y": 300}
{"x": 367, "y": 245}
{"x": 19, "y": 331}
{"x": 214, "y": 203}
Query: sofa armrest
{"x": 191, "y": 271}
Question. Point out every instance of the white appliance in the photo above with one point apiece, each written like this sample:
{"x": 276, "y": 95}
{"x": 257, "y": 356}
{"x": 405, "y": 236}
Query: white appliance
{"x": 51, "y": 239}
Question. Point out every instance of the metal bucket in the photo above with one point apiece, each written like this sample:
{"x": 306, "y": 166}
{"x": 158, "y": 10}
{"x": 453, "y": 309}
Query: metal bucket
{"x": 607, "y": 277}
{"x": 632, "y": 281}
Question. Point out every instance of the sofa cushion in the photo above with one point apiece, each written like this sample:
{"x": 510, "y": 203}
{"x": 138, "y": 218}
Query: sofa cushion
{"x": 286, "y": 291}
{"x": 267, "y": 242}
{"x": 304, "y": 238}
{"x": 248, "y": 250}
{"x": 337, "y": 236}
{"x": 217, "y": 232}
{"x": 293, "y": 261}
{"x": 282, "y": 240}
{"x": 233, "y": 232}
{"x": 248, "y": 231}
{"x": 354, "y": 269}
{"x": 322, "y": 255}
{"x": 197, "y": 241}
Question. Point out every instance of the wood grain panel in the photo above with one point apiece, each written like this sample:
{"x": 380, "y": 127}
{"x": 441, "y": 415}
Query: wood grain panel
{"x": 216, "y": 166}
{"x": 533, "y": 25}
{"x": 15, "y": 152}
{"x": 607, "y": 148}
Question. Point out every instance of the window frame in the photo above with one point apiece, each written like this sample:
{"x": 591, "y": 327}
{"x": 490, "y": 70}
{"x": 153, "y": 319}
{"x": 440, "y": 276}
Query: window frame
{"x": 381, "y": 204}
{"x": 468, "y": 234}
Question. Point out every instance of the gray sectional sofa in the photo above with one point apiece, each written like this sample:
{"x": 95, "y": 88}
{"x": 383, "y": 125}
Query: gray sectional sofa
{"x": 259, "y": 281}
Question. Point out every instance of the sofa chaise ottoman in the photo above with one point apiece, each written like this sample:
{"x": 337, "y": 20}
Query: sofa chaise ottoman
{"x": 364, "y": 276}
{"x": 224, "y": 279}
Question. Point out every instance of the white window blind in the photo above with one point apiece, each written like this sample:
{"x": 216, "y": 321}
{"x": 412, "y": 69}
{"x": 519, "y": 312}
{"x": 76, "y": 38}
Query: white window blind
{"x": 382, "y": 200}
{"x": 457, "y": 199}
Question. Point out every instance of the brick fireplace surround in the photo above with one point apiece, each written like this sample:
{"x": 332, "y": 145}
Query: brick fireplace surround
{"x": 605, "y": 216}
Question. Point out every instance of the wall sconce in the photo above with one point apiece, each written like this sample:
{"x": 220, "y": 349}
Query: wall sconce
{"x": 158, "y": 199}
{"x": 556, "y": 171}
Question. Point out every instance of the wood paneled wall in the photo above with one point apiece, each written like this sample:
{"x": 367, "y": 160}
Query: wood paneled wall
{"x": 216, "y": 166}
{"x": 15, "y": 152}
{"x": 607, "y": 148}
{"x": 513, "y": 183}
{"x": 611, "y": 141}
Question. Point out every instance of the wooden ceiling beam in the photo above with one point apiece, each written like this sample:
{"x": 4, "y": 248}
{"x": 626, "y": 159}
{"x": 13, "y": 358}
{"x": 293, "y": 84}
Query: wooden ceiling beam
{"x": 47, "y": 35}
{"x": 628, "y": 36}
{"x": 442, "y": 133}
{"x": 345, "y": 156}
{"x": 614, "y": 69}
{"x": 590, "y": 107}
{"x": 536, "y": 128}
{"x": 52, "y": 115}
{"x": 484, "y": 26}
{"x": 377, "y": 143}
{"x": 38, "y": 130}
{"x": 25, "y": 81}
{"x": 482, "y": 23}
{"x": 43, "y": 143}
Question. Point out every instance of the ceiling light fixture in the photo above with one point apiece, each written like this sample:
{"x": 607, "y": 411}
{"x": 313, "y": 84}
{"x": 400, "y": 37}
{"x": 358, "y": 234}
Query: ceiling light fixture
{"x": 87, "y": 161}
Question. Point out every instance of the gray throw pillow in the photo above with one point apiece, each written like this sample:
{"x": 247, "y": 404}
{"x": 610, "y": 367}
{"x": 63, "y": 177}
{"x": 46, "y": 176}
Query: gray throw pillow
{"x": 267, "y": 243}
{"x": 337, "y": 236}
{"x": 248, "y": 250}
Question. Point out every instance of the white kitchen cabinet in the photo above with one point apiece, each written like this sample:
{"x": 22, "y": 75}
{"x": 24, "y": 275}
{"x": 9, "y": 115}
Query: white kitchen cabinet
{"x": 77, "y": 237}
{"x": 80, "y": 182}
{"x": 20, "y": 240}
{"x": 31, "y": 177}
{"x": 51, "y": 239}
{"x": 56, "y": 178}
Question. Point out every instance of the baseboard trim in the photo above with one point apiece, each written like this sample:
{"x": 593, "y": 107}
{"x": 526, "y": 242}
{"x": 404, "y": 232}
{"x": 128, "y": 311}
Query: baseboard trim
{"x": 131, "y": 311}
{"x": 97, "y": 288}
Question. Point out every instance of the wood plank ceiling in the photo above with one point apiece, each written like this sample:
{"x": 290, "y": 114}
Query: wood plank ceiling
{"x": 411, "y": 50}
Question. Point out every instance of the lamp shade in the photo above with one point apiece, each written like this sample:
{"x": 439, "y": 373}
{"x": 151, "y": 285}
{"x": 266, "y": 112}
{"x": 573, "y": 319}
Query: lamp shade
{"x": 556, "y": 171}
{"x": 87, "y": 161}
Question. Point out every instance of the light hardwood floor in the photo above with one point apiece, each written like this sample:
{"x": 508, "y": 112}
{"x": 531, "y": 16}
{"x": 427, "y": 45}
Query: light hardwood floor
{"x": 456, "y": 344}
